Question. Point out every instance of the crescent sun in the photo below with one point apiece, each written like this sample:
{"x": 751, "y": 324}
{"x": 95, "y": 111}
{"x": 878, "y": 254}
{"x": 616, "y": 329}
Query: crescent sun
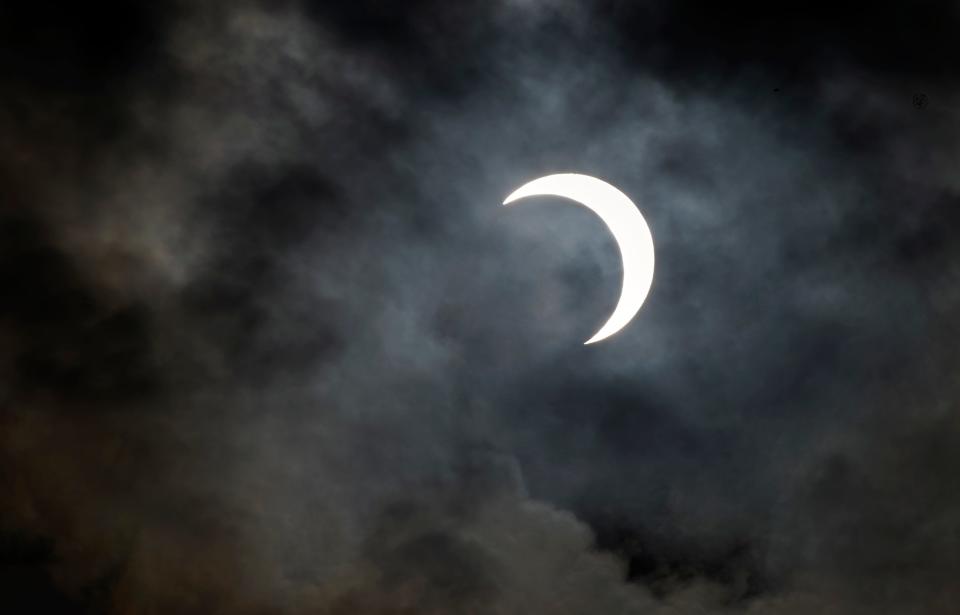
{"x": 625, "y": 222}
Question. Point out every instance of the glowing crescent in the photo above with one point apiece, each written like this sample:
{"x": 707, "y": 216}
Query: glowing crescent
{"x": 629, "y": 230}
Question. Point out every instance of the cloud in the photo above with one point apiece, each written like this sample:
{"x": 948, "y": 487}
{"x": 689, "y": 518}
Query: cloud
{"x": 273, "y": 346}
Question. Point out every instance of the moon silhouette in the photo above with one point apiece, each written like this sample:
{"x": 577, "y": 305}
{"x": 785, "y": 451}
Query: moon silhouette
{"x": 625, "y": 222}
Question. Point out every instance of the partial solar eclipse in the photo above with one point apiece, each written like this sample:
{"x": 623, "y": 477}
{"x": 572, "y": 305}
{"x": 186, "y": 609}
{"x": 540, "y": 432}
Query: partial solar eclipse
{"x": 629, "y": 230}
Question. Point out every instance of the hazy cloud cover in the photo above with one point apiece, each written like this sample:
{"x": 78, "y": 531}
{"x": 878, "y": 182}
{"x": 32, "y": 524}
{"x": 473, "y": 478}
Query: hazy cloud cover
{"x": 270, "y": 344}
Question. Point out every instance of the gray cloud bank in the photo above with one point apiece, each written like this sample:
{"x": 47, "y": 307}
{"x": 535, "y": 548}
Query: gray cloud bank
{"x": 271, "y": 346}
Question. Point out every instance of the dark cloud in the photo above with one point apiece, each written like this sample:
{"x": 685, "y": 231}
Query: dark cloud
{"x": 271, "y": 346}
{"x": 791, "y": 43}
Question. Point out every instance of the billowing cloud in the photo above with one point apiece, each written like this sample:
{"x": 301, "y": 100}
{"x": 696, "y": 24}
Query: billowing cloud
{"x": 273, "y": 347}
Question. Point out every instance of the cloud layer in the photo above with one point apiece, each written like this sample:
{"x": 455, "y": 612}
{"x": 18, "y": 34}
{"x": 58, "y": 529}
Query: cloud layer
{"x": 272, "y": 346}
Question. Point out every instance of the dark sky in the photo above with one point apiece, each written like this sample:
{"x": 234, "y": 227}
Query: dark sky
{"x": 269, "y": 344}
